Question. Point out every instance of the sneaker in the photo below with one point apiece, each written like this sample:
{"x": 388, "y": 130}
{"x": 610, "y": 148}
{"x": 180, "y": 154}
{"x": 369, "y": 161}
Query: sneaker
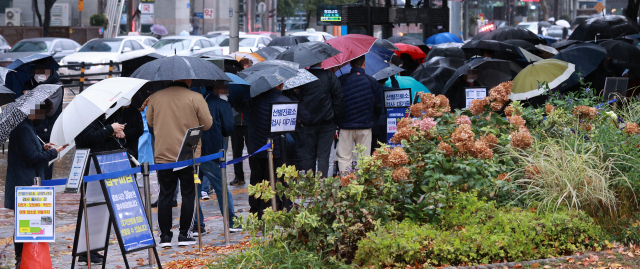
{"x": 237, "y": 182}
{"x": 210, "y": 191}
{"x": 195, "y": 233}
{"x": 165, "y": 242}
{"x": 235, "y": 230}
{"x": 174, "y": 203}
{"x": 205, "y": 195}
{"x": 94, "y": 258}
{"x": 185, "y": 241}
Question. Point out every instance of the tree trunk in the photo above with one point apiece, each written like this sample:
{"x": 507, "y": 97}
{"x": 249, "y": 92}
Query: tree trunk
{"x": 48, "y": 4}
{"x": 282, "y": 26}
{"x": 631, "y": 12}
{"x": 556, "y": 10}
{"x": 37, "y": 11}
{"x": 545, "y": 12}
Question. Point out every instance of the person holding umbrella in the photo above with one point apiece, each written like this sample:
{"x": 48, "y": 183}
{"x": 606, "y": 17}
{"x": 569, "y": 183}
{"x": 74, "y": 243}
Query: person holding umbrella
{"x": 27, "y": 158}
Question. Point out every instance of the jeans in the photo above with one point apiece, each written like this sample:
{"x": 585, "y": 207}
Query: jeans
{"x": 195, "y": 30}
{"x": 168, "y": 180}
{"x": 211, "y": 172}
{"x": 239, "y": 138}
{"x": 318, "y": 140}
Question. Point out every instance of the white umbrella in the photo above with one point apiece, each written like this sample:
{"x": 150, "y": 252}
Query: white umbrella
{"x": 104, "y": 97}
{"x": 563, "y": 23}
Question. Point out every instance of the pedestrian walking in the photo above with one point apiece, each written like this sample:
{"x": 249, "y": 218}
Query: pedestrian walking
{"x": 171, "y": 112}
{"x": 239, "y": 139}
{"x": 324, "y": 102}
{"x": 27, "y": 159}
{"x": 362, "y": 101}
{"x": 195, "y": 24}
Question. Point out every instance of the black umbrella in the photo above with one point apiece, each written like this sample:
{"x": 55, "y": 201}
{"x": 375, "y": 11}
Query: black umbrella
{"x": 506, "y": 33}
{"x": 267, "y": 78}
{"x": 308, "y": 54}
{"x": 447, "y": 50}
{"x": 565, "y": 43}
{"x": 604, "y": 27}
{"x": 490, "y": 73}
{"x": 435, "y": 73}
{"x": 523, "y": 44}
{"x": 130, "y": 66}
{"x": 499, "y": 50}
{"x": 270, "y": 53}
{"x": 287, "y": 41}
{"x": 385, "y": 44}
{"x": 269, "y": 64}
{"x": 387, "y": 72}
{"x": 623, "y": 55}
{"x": 406, "y": 40}
{"x": 165, "y": 70}
{"x": 585, "y": 56}
{"x": 17, "y": 111}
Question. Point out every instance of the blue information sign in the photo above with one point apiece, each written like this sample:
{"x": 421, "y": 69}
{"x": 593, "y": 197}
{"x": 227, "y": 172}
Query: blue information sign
{"x": 126, "y": 203}
{"x": 393, "y": 117}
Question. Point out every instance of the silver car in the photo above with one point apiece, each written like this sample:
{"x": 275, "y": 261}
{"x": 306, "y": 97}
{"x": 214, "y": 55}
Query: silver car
{"x": 57, "y": 47}
{"x": 186, "y": 46}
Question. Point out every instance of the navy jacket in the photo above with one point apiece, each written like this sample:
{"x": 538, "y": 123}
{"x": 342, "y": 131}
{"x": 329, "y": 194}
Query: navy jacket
{"x": 362, "y": 100}
{"x": 259, "y": 108}
{"x": 223, "y": 125}
{"x": 26, "y": 160}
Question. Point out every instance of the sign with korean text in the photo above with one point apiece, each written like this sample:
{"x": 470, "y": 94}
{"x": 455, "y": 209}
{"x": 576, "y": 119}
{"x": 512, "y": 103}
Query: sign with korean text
{"x": 208, "y": 13}
{"x": 35, "y": 214}
{"x": 475, "y": 93}
{"x": 329, "y": 14}
{"x": 146, "y": 8}
{"x": 122, "y": 193}
{"x": 393, "y": 117}
{"x": 284, "y": 117}
{"x": 397, "y": 98}
{"x": 77, "y": 170}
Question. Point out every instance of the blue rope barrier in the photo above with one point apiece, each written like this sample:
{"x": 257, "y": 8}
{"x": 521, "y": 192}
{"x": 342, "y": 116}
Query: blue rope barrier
{"x": 54, "y": 182}
{"x": 238, "y": 160}
{"x": 118, "y": 174}
{"x": 165, "y": 166}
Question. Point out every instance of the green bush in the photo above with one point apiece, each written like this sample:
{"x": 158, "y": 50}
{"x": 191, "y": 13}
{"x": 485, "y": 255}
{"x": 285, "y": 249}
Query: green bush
{"x": 271, "y": 256}
{"x": 99, "y": 20}
{"x": 474, "y": 231}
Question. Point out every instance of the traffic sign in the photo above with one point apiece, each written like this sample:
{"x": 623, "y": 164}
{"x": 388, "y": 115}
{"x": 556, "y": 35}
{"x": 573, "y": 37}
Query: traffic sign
{"x": 599, "y": 7}
{"x": 262, "y": 7}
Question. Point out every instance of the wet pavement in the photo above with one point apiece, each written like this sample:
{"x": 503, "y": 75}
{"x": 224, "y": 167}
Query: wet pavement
{"x": 67, "y": 206}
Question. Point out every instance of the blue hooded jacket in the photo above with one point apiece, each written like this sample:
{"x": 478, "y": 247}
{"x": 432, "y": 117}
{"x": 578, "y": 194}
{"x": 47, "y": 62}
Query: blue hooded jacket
{"x": 362, "y": 100}
{"x": 223, "y": 125}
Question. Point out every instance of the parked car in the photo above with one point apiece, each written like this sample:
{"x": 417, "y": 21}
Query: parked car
{"x": 146, "y": 40}
{"x": 101, "y": 51}
{"x": 57, "y": 47}
{"x": 4, "y": 45}
{"x": 314, "y": 35}
{"x": 538, "y": 28}
{"x": 186, "y": 46}
{"x": 271, "y": 35}
{"x": 248, "y": 43}
{"x": 215, "y": 33}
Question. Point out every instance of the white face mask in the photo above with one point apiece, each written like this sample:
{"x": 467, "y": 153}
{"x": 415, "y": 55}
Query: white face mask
{"x": 224, "y": 97}
{"x": 40, "y": 78}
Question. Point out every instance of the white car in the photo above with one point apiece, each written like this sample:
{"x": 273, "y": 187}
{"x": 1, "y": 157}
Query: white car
{"x": 186, "y": 46}
{"x": 101, "y": 51}
{"x": 146, "y": 40}
{"x": 247, "y": 43}
{"x": 314, "y": 35}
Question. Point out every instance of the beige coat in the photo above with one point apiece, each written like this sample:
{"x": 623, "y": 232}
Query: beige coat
{"x": 171, "y": 112}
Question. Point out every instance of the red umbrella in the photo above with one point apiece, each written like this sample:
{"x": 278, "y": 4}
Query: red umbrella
{"x": 352, "y": 46}
{"x": 415, "y": 52}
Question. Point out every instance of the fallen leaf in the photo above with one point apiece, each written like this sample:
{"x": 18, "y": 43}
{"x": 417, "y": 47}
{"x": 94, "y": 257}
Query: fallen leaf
{"x": 535, "y": 265}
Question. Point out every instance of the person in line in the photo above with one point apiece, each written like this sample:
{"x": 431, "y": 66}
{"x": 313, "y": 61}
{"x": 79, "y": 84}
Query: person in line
{"x": 323, "y": 100}
{"x": 259, "y": 108}
{"x": 296, "y": 148}
{"x": 171, "y": 112}
{"x": 239, "y": 139}
{"x": 363, "y": 98}
{"x": 213, "y": 140}
{"x": 27, "y": 159}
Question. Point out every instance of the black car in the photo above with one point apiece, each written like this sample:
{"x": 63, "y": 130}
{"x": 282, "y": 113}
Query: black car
{"x": 58, "y": 47}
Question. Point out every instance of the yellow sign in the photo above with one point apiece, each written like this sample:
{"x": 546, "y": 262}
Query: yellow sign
{"x": 80, "y": 5}
{"x": 599, "y": 7}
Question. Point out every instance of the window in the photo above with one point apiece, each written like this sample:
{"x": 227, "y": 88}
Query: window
{"x": 206, "y": 43}
{"x": 244, "y": 42}
{"x": 171, "y": 44}
{"x": 3, "y": 41}
{"x": 102, "y": 45}
{"x": 68, "y": 45}
{"x": 31, "y": 46}
{"x": 150, "y": 41}
{"x": 127, "y": 44}
{"x": 136, "y": 45}
{"x": 198, "y": 44}
{"x": 57, "y": 46}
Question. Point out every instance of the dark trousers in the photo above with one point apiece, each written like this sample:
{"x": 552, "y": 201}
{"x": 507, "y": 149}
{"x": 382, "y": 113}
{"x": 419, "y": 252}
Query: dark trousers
{"x": 318, "y": 140}
{"x": 260, "y": 172}
{"x": 18, "y": 249}
{"x": 168, "y": 180}
{"x": 239, "y": 138}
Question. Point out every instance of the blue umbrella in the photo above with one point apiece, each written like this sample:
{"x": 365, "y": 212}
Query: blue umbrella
{"x": 442, "y": 38}
{"x": 22, "y": 67}
{"x": 384, "y": 53}
{"x": 406, "y": 82}
{"x": 374, "y": 63}
{"x": 550, "y": 40}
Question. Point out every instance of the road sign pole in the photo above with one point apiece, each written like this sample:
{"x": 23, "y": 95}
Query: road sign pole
{"x": 234, "y": 24}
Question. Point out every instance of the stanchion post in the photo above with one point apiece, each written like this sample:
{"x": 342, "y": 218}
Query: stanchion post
{"x": 82, "y": 76}
{"x": 283, "y": 148}
{"x": 110, "y": 68}
{"x": 147, "y": 206}
{"x": 225, "y": 197}
{"x": 195, "y": 176}
{"x": 272, "y": 178}
{"x": 86, "y": 222}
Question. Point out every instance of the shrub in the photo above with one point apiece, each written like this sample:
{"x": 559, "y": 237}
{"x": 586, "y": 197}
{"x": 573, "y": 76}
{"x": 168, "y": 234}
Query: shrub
{"x": 271, "y": 256}
{"x": 474, "y": 231}
{"x": 98, "y": 20}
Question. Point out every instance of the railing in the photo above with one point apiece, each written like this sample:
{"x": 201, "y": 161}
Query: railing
{"x": 78, "y": 80}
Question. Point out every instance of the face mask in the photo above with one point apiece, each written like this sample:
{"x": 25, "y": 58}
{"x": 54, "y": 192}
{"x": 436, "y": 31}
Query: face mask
{"x": 224, "y": 97}
{"x": 40, "y": 78}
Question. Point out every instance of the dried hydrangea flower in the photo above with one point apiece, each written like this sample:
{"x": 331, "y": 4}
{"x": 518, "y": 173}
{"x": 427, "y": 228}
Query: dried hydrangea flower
{"x": 427, "y": 124}
{"x": 480, "y": 150}
{"x": 403, "y": 134}
{"x": 463, "y": 137}
{"x": 489, "y": 139}
{"x": 477, "y": 106}
{"x": 400, "y": 174}
{"x": 504, "y": 177}
{"x": 531, "y": 172}
{"x": 631, "y": 128}
{"x": 517, "y": 121}
{"x": 586, "y": 126}
{"x": 398, "y": 157}
{"x": 521, "y": 139}
{"x": 508, "y": 111}
{"x": 585, "y": 112}
{"x": 463, "y": 119}
{"x": 404, "y": 123}
{"x": 416, "y": 110}
{"x": 549, "y": 108}
{"x": 501, "y": 92}
{"x": 446, "y": 148}
{"x": 497, "y": 106}
{"x": 346, "y": 180}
